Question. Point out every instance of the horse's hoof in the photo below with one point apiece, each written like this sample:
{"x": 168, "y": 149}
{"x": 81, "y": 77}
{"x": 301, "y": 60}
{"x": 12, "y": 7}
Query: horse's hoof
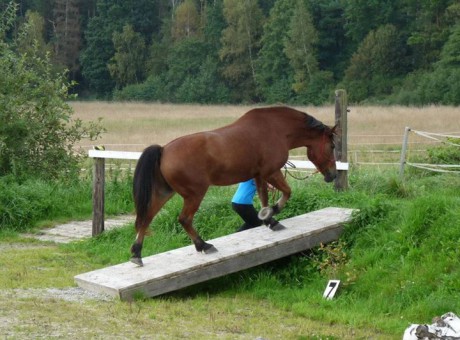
{"x": 276, "y": 226}
{"x": 265, "y": 213}
{"x": 209, "y": 249}
{"x": 138, "y": 261}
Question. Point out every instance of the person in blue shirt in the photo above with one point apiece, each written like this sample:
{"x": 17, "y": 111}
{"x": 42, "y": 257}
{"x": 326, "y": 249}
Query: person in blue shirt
{"x": 242, "y": 204}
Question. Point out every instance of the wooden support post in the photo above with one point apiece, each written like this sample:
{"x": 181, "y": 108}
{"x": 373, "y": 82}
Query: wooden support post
{"x": 341, "y": 182}
{"x": 98, "y": 195}
{"x": 402, "y": 161}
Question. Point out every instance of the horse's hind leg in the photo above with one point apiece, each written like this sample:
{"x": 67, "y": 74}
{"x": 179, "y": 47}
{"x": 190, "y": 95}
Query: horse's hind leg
{"x": 189, "y": 209}
{"x": 158, "y": 201}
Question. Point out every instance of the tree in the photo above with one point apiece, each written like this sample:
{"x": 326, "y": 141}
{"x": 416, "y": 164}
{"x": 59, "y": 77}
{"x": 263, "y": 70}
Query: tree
{"x": 111, "y": 16}
{"x": 376, "y": 65}
{"x": 186, "y": 21}
{"x": 362, "y": 16}
{"x": 186, "y": 70}
{"x": 67, "y": 34}
{"x": 333, "y": 46}
{"x": 300, "y": 47}
{"x": 32, "y": 35}
{"x": 442, "y": 85}
{"x": 96, "y": 54}
{"x": 275, "y": 74}
{"x": 184, "y": 62}
{"x": 37, "y": 131}
{"x": 127, "y": 65}
{"x": 214, "y": 25}
{"x": 450, "y": 53}
{"x": 429, "y": 30}
{"x": 240, "y": 45}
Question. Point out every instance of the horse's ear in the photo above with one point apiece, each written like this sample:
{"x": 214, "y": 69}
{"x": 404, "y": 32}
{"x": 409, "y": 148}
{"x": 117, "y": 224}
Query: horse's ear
{"x": 336, "y": 130}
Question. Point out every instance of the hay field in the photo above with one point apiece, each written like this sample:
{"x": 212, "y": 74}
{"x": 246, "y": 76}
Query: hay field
{"x": 133, "y": 126}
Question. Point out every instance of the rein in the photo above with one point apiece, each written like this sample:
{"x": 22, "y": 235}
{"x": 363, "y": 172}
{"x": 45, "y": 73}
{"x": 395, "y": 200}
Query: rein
{"x": 300, "y": 178}
{"x": 275, "y": 193}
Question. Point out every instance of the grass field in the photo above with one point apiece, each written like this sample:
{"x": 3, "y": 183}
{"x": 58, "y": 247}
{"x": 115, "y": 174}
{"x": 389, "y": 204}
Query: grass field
{"x": 374, "y": 133}
{"x": 141, "y": 124}
{"x": 399, "y": 261}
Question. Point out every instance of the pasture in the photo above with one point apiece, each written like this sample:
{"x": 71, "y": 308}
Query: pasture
{"x": 375, "y": 133}
{"x": 398, "y": 261}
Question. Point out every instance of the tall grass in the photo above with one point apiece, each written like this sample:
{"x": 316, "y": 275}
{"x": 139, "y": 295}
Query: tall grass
{"x": 398, "y": 261}
{"x": 133, "y": 126}
{"x": 34, "y": 203}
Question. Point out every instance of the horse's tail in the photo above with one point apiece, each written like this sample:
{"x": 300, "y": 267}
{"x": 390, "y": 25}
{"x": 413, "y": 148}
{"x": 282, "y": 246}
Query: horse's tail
{"x": 147, "y": 170}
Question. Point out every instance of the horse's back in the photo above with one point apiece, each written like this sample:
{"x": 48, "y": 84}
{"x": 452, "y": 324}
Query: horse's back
{"x": 214, "y": 157}
{"x": 252, "y": 145}
{"x": 271, "y": 112}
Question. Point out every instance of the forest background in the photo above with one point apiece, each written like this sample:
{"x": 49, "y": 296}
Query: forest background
{"x": 249, "y": 51}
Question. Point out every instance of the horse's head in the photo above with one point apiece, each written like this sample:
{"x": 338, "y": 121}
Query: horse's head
{"x": 321, "y": 153}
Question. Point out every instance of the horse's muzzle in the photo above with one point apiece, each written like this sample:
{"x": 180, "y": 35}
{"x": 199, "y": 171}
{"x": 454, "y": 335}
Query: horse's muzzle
{"x": 330, "y": 176}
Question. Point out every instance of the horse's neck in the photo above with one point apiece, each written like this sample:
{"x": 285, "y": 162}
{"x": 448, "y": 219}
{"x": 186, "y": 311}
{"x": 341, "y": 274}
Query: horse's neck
{"x": 302, "y": 137}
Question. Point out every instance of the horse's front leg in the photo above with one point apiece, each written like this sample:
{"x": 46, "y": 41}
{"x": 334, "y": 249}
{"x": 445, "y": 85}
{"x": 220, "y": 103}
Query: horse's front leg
{"x": 266, "y": 214}
{"x": 278, "y": 181}
{"x": 186, "y": 220}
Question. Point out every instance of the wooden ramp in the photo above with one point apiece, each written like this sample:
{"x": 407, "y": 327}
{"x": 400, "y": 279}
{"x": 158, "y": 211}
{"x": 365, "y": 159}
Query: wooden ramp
{"x": 184, "y": 267}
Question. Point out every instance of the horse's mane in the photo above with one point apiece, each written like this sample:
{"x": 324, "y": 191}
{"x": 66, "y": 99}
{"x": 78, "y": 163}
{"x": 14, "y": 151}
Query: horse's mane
{"x": 310, "y": 122}
{"x": 314, "y": 123}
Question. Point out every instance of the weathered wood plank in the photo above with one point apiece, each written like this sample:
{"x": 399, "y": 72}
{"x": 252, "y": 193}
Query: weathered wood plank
{"x": 341, "y": 148}
{"x": 183, "y": 267}
{"x": 98, "y": 196}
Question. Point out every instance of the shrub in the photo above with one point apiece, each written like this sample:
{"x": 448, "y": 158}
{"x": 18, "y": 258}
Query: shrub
{"x": 37, "y": 131}
{"x": 446, "y": 154}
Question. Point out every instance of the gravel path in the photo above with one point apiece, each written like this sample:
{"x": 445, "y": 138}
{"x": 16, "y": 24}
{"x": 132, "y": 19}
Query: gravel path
{"x": 71, "y": 294}
{"x": 65, "y": 233}
{"x": 74, "y": 231}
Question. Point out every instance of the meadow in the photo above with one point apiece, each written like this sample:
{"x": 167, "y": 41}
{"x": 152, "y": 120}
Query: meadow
{"x": 375, "y": 133}
{"x": 133, "y": 126}
{"x": 398, "y": 260}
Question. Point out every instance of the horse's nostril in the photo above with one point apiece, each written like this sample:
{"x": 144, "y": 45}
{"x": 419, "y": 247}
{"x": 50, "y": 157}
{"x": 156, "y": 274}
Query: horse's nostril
{"x": 329, "y": 177}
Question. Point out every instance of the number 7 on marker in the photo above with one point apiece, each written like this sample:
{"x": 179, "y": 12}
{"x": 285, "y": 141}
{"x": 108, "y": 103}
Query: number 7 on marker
{"x": 331, "y": 289}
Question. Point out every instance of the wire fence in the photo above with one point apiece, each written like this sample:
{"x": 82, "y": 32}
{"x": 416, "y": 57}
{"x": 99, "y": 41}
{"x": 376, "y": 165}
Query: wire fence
{"x": 381, "y": 150}
{"x": 451, "y": 139}
{"x": 363, "y": 150}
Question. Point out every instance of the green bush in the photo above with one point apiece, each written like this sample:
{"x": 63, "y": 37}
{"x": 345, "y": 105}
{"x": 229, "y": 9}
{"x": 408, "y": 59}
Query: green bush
{"x": 150, "y": 90}
{"x": 35, "y": 202}
{"x": 446, "y": 153}
{"x": 37, "y": 131}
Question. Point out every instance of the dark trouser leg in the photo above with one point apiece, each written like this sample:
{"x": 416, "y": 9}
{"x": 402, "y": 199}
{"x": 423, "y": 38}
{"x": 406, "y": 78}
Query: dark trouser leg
{"x": 249, "y": 215}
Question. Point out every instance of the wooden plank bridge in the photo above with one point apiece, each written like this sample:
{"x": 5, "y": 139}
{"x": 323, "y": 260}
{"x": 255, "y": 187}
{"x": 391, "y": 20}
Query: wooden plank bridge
{"x": 183, "y": 267}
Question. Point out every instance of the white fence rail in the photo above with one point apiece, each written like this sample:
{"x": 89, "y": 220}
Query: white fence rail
{"x": 128, "y": 155}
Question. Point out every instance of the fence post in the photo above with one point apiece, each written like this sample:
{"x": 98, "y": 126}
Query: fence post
{"x": 98, "y": 195}
{"x": 402, "y": 162}
{"x": 341, "y": 103}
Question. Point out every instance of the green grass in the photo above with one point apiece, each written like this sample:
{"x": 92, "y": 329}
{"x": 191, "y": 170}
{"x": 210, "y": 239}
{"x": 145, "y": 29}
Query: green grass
{"x": 36, "y": 203}
{"x": 398, "y": 260}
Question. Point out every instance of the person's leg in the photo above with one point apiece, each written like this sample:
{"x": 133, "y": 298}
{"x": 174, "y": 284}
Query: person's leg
{"x": 249, "y": 215}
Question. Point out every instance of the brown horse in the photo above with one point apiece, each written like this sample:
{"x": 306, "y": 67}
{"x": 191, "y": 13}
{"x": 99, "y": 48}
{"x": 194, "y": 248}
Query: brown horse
{"x": 254, "y": 146}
